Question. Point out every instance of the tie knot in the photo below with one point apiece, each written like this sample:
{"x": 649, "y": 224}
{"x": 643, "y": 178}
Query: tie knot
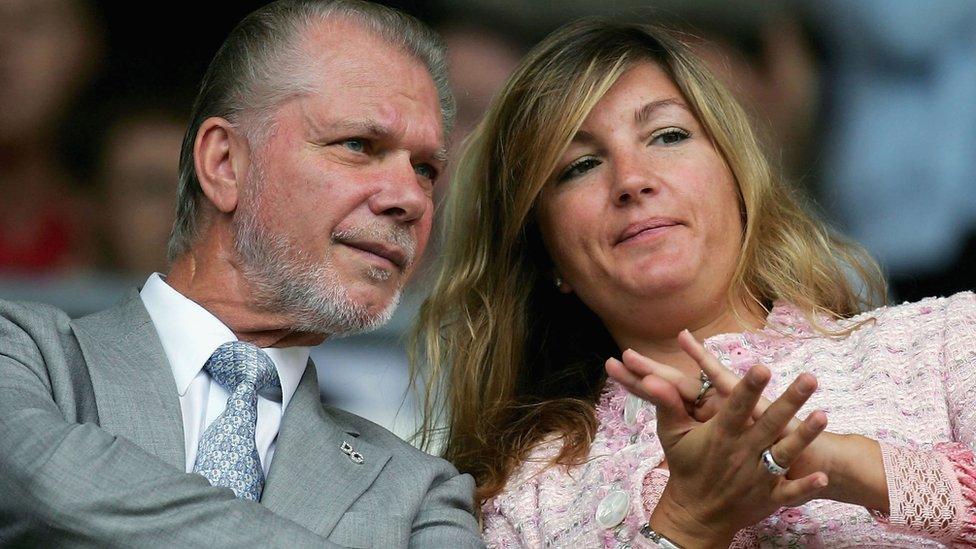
{"x": 237, "y": 362}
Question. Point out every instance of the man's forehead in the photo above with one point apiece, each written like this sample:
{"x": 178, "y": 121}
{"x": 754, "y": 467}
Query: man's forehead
{"x": 340, "y": 39}
{"x": 359, "y": 78}
{"x": 344, "y": 52}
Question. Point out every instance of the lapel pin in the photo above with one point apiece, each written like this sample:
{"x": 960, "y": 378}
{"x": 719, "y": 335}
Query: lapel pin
{"x": 354, "y": 456}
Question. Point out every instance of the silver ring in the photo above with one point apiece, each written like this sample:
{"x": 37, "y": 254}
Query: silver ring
{"x": 770, "y": 464}
{"x": 706, "y": 385}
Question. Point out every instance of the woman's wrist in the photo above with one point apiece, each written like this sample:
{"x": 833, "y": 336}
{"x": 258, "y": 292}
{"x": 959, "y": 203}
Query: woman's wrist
{"x": 676, "y": 523}
{"x": 857, "y": 473}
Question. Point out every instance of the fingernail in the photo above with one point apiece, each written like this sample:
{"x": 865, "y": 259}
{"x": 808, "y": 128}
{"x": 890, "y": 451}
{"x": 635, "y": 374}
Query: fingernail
{"x": 804, "y": 389}
{"x": 821, "y": 482}
{"x": 756, "y": 377}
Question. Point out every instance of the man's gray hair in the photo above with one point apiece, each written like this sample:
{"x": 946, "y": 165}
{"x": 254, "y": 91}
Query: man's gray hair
{"x": 262, "y": 64}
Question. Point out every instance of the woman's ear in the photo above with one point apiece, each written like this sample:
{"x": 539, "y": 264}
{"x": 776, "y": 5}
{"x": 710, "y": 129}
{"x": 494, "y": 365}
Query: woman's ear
{"x": 562, "y": 286}
{"x": 221, "y": 157}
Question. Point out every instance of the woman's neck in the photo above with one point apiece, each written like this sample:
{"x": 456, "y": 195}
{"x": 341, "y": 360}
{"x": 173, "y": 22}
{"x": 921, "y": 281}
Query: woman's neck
{"x": 658, "y": 340}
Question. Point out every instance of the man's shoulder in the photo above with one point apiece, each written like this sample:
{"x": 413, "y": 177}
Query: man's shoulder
{"x": 42, "y": 321}
{"x": 30, "y": 314}
{"x": 27, "y": 323}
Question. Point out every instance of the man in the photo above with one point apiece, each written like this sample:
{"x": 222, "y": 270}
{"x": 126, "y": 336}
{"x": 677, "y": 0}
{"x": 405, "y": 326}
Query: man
{"x": 305, "y": 199}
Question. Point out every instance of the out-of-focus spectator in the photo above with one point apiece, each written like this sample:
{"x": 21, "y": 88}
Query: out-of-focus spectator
{"x": 138, "y": 175}
{"x": 900, "y": 145}
{"x": 771, "y": 67}
{"x": 48, "y": 52}
{"x": 479, "y": 59}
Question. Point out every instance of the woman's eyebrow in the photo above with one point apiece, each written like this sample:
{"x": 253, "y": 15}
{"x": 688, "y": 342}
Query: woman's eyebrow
{"x": 583, "y": 137}
{"x": 641, "y": 115}
{"x": 645, "y": 112}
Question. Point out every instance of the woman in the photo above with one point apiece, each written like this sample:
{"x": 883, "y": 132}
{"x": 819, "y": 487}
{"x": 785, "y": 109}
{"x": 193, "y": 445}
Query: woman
{"x": 614, "y": 196}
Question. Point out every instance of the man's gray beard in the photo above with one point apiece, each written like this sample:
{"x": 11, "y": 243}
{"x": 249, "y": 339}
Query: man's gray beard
{"x": 285, "y": 280}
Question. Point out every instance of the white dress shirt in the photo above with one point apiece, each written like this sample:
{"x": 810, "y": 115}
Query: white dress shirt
{"x": 190, "y": 334}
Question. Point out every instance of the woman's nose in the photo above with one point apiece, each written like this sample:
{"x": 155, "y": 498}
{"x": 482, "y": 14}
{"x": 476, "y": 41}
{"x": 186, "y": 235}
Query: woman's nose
{"x": 633, "y": 181}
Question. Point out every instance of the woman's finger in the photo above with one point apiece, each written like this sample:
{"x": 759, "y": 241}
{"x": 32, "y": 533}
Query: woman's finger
{"x": 623, "y": 375}
{"x": 722, "y": 378}
{"x": 673, "y": 418}
{"x": 790, "y": 493}
{"x": 737, "y": 410}
{"x": 641, "y": 365}
{"x": 657, "y": 391}
{"x": 786, "y": 450}
{"x": 776, "y": 419}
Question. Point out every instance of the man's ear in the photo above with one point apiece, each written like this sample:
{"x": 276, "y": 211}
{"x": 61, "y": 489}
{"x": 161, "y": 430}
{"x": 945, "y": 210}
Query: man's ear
{"x": 221, "y": 156}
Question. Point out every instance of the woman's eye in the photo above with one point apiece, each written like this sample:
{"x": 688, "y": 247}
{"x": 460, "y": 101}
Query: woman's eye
{"x": 426, "y": 171}
{"x": 670, "y": 136}
{"x": 579, "y": 167}
{"x": 355, "y": 145}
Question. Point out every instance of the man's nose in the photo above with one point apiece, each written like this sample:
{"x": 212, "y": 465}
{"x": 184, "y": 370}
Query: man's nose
{"x": 402, "y": 194}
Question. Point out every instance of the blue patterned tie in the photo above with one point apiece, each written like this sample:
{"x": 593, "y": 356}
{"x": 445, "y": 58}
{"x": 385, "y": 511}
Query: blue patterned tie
{"x": 227, "y": 455}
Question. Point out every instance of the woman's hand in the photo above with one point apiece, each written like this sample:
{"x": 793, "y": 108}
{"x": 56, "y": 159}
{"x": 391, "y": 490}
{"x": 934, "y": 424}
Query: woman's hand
{"x": 852, "y": 462}
{"x": 718, "y": 484}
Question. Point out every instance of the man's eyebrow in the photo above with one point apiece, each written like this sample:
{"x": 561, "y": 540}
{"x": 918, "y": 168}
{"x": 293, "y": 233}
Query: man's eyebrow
{"x": 645, "y": 112}
{"x": 372, "y": 128}
{"x": 367, "y": 126}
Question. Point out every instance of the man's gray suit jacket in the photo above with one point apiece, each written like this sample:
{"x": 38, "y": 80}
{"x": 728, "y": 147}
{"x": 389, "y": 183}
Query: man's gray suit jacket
{"x": 91, "y": 454}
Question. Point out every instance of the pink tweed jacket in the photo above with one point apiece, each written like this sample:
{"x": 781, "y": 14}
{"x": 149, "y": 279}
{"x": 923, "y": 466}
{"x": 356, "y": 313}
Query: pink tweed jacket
{"x": 906, "y": 379}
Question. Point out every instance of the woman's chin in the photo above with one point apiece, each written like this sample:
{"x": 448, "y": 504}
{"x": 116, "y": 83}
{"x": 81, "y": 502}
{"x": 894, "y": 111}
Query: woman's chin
{"x": 659, "y": 280}
{"x": 648, "y": 287}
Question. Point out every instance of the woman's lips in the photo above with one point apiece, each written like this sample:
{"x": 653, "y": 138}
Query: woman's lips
{"x": 648, "y": 228}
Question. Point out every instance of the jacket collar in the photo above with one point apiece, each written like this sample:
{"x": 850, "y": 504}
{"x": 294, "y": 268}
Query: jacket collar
{"x": 133, "y": 384}
{"x": 314, "y": 477}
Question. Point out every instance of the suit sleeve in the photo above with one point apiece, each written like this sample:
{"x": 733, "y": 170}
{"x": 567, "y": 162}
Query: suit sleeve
{"x": 71, "y": 484}
{"x": 446, "y": 516}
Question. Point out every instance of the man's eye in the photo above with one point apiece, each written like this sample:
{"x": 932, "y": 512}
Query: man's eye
{"x": 670, "y": 136}
{"x": 355, "y": 145}
{"x": 579, "y": 167}
{"x": 426, "y": 171}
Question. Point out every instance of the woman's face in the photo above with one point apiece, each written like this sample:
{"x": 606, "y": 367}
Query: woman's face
{"x": 641, "y": 206}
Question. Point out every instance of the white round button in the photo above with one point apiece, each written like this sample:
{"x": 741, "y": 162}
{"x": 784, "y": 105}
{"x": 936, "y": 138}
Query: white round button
{"x": 631, "y": 406}
{"x": 613, "y": 509}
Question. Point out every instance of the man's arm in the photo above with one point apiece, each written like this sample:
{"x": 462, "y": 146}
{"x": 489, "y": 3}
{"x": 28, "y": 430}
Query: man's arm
{"x": 70, "y": 484}
{"x": 445, "y": 518}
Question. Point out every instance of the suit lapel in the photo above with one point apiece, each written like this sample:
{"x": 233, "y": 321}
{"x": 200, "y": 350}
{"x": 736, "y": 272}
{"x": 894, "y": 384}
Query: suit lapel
{"x": 312, "y": 480}
{"x": 134, "y": 388}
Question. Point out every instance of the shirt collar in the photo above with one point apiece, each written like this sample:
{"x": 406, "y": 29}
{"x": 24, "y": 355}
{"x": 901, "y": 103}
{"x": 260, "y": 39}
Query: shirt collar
{"x": 190, "y": 334}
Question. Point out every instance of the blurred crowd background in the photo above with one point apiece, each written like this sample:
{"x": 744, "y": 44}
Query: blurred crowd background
{"x": 868, "y": 105}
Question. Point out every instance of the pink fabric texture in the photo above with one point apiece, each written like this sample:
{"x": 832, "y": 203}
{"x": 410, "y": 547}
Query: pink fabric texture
{"x": 906, "y": 379}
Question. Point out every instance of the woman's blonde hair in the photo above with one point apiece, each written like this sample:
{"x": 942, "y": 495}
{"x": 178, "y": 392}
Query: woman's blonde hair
{"x": 511, "y": 360}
